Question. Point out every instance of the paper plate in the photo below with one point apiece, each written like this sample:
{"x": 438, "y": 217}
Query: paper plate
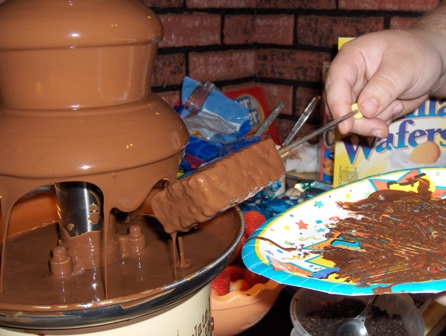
{"x": 305, "y": 227}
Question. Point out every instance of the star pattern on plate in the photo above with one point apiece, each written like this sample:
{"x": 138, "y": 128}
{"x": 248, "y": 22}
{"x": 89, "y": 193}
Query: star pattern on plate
{"x": 307, "y": 225}
{"x": 302, "y": 225}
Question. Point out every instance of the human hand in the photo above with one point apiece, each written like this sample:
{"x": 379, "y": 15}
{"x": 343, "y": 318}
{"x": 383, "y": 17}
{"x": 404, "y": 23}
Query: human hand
{"x": 389, "y": 74}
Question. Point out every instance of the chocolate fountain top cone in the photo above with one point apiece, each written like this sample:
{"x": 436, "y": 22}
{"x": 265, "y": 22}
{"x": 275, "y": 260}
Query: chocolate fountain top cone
{"x": 75, "y": 89}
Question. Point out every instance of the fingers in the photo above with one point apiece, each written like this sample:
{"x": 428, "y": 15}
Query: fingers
{"x": 371, "y": 127}
{"x": 345, "y": 80}
{"x": 384, "y": 87}
{"x": 384, "y": 80}
{"x": 378, "y": 127}
{"x": 341, "y": 88}
{"x": 337, "y": 104}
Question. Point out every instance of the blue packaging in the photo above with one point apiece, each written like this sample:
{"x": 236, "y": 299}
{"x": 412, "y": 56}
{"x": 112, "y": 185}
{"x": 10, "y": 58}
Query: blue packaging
{"x": 210, "y": 115}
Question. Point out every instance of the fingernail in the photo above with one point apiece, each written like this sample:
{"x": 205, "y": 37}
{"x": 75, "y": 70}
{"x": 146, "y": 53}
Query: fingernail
{"x": 369, "y": 105}
{"x": 398, "y": 108}
{"x": 378, "y": 133}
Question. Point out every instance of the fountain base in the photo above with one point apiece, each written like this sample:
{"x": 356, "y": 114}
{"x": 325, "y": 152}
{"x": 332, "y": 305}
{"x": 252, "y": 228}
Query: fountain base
{"x": 189, "y": 317}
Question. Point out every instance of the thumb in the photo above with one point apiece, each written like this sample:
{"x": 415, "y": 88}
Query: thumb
{"x": 385, "y": 87}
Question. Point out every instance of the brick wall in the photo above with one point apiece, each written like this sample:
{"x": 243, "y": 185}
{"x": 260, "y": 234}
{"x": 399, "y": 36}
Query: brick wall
{"x": 279, "y": 45}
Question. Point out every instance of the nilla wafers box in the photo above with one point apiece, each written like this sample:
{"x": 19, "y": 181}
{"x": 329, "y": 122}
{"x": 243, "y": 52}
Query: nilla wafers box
{"x": 416, "y": 140}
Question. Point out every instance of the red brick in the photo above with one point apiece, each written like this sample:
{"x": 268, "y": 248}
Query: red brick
{"x": 290, "y": 64}
{"x": 221, "y": 3}
{"x": 169, "y": 70}
{"x": 283, "y": 127}
{"x": 401, "y": 23}
{"x": 163, "y": 3}
{"x": 239, "y": 29}
{"x": 404, "y": 5}
{"x": 274, "y": 29}
{"x": 170, "y": 97}
{"x": 237, "y": 87}
{"x": 297, "y": 4}
{"x": 275, "y": 94}
{"x": 323, "y": 31}
{"x": 303, "y": 98}
{"x": 198, "y": 29}
{"x": 284, "y": 69}
{"x": 222, "y": 65}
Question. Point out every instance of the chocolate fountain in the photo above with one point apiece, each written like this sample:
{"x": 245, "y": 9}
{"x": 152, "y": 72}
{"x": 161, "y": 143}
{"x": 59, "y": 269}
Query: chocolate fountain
{"x": 83, "y": 144}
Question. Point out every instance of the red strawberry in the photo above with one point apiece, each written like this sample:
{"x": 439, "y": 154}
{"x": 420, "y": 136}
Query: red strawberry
{"x": 235, "y": 271}
{"x": 240, "y": 285}
{"x": 253, "y": 219}
{"x": 220, "y": 285}
{"x": 238, "y": 251}
{"x": 253, "y": 278}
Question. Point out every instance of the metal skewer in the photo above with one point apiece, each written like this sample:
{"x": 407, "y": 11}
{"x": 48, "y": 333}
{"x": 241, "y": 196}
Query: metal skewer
{"x": 303, "y": 118}
{"x": 285, "y": 150}
{"x": 269, "y": 120}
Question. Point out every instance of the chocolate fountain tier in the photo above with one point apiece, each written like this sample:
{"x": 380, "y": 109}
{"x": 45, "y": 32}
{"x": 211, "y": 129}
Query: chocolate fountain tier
{"x": 76, "y": 54}
{"x": 56, "y": 144}
{"x": 137, "y": 285}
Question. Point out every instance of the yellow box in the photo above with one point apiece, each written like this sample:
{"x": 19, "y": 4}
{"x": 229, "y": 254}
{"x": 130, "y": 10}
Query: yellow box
{"x": 416, "y": 140}
{"x": 328, "y": 138}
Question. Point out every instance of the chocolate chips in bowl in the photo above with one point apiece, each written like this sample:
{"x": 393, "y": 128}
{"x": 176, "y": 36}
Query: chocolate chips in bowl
{"x": 314, "y": 313}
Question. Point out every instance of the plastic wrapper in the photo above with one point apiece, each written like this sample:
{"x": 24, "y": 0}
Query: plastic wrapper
{"x": 210, "y": 115}
{"x": 272, "y": 206}
{"x": 217, "y": 125}
{"x": 199, "y": 151}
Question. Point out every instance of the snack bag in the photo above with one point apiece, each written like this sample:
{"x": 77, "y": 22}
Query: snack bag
{"x": 210, "y": 115}
{"x": 254, "y": 99}
{"x": 217, "y": 125}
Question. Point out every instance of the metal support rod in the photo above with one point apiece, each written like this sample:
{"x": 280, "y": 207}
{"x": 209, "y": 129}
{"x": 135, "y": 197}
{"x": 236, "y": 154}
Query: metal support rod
{"x": 79, "y": 206}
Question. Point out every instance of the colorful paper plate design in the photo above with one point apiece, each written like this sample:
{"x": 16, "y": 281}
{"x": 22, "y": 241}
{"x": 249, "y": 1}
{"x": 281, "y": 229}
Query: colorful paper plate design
{"x": 305, "y": 226}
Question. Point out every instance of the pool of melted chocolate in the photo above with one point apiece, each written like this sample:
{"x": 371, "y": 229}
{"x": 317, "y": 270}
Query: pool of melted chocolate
{"x": 142, "y": 282}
